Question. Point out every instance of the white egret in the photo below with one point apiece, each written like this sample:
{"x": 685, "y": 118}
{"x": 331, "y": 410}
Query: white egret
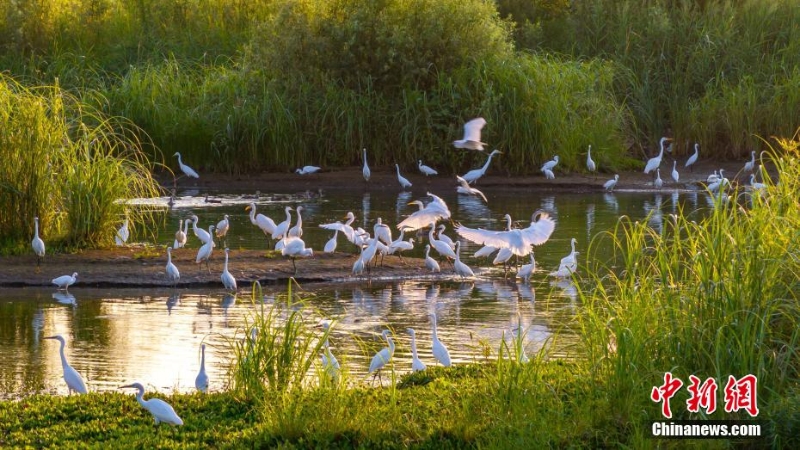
{"x": 440, "y": 246}
{"x": 425, "y": 169}
{"x": 200, "y": 233}
{"x": 382, "y": 232}
{"x": 297, "y": 229}
{"x": 519, "y": 241}
{"x": 675, "y": 175}
{"x": 345, "y": 228}
{"x": 37, "y": 243}
{"x": 549, "y": 174}
{"x": 432, "y": 212}
{"x": 283, "y": 227}
{"x": 404, "y": 183}
{"x": 263, "y": 222}
{"x": 228, "y": 279}
{"x": 590, "y": 165}
{"x": 329, "y": 362}
{"x": 180, "y": 235}
{"x": 74, "y": 380}
{"x": 549, "y": 165}
{"x": 330, "y": 246}
{"x": 693, "y": 159}
{"x": 65, "y": 281}
{"x": 653, "y": 163}
{"x": 461, "y": 269}
{"x": 222, "y": 227}
{"x": 383, "y": 356}
{"x": 465, "y": 188}
{"x": 611, "y": 184}
{"x": 503, "y": 256}
{"x": 359, "y": 265}
{"x": 569, "y": 263}
{"x": 188, "y": 171}
{"x": 161, "y": 410}
{"x": 306, "y": 170}
{"x": 472, "y": 135}
{"x": 526, "y": 271}
{"x": 204, "y": 252}
{"x": 439, "y": 350}
{"x": 172, "y": 270}
{"x": 658, "y": 183}
{"x": 750, "y": 165}
{"x": 416, "y": 364}
{"x": 201, "y": 382}
{"x": 365, "y": 171}
{"x": 122, "y": 234}
{"x": 399, "y": 245}
{"x": 431, "y": 263}
{"x": 755, "y": 185}
{"x": 486, "y": 250}
{"x": 443, "y": 237}
{"x": 294, "y": 248}
{"x": 473, "y": 175}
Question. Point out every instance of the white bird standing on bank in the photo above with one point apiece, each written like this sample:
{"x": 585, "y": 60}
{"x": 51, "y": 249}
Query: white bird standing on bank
{"x": 122, "y": 234}
{"x": 473, "y": 175}
{"x": 750, "y": 165}
{"x": 330, "y": 246}
{"x": 383, "y": 356}
{"x": 549, "y": 165}
{"x": 201, "y": 382}
{"x": 416, "y": 364}
{"x": 65, "y": 281}
{"x": 222, "y": 227}
{"x": 180, "y": 235}
{"x": 200, "y": 233}
{"x": 549, "y": 174}
{"x": 675, "y": 175}
{"x": 519, "y": 241}
{"x": 37, "y": 243}
{"x": 283, "y": 227}
{"x": 404, "y": 183}
{"x": 461, "y": 269}
{"x": 440, "y": 246}
{"x": 425, "y": 169}
{"x": 204, "y": 252}
{"x": 466, "y": 189}
{"x": 526, "y": 271}
{"x": 438, "y": 348}
{"x": 365, "y": 171}
{"x": 187, "y": 171}
{"x": 263, "y": 222}
{"x": 228, "y": 280}
{"x": 610, "y": 184}
{"x": 161, "y": 410}
{"x": 658, "y": 183}
{"x": 693, "y": 159}
{"x": 654, "y": 163}
{"x": 294, "y": 248}
{"x": 590, "y": 165}
{"x": 74, "y": 380}
{"x": 306, "y": 170}
{"x": 172, "y": 270}
{"x": 431, "y": 263}
{"x": 443, "y": 237}
{"x": 434, "y": 211}
{"x": 472, "y": 135}
{"x": 297, "y": 229}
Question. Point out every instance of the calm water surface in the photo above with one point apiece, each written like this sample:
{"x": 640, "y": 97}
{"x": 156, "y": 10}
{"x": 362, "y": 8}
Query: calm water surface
{"x": 116, "y": 336}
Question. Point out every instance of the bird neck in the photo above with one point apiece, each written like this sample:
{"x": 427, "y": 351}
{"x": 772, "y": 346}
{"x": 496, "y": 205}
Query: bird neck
{"x": 36, "y": 228}
{"x": 63, "y": 356}
{"x": 488, "y": 161}
{"x": 203, "y": 359}
{"x": 414, "y": 346}
{"x": 391, "y": 344}
{"x": 169, "y": 257}
{"x": 225, "y": 268}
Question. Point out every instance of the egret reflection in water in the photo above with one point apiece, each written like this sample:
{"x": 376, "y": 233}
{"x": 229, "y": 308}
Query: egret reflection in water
{"x": 65, "y": 298}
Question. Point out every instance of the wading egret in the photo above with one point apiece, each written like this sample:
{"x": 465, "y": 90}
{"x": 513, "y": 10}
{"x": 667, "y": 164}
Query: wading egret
{"x": 590, "y": 165}
{"x": 188, "y": 171}
{"x": 653, "y": 163}
{"x": 611, "y": 184}
{"x": 329, "y": 362}
{"x": 465, "y": 188}
{"x": 382, "y": 357}
{"x": 434, "y": 211}
{"x": 122, "y": 234}
{"x": 65, "y": 281}
{"x": 180, "y": 235}
{"x": 473, "y": 175}
{"x": 345, "y": 228}
{"x": 461, "y": 269}
{"x": 526, "y": 271}
{"x": 365, "y": 171}
{"x": 297, "y": 229}
{"x": 283, "y": 227}
{"x": 294, "y": 248}
{"x": 519, "y": 241}
{"x": 416, "y": 364}
{"x": 569, "y": 263}
{"x": 228, "y": 280}
{"x": 204, "y": 252}
{"x": 222, "y": 227}
{"x": 161, "y": 410}
{"x": 658, "y": 183}
{"x": 306, "y": 170}
{"x": 431, "y": 263}
{"x": 201, "y": 382}
{"x": 37, "y": 243}
{"x": 172, "y": 270}
{"x": 750, "y": 165}
{"x": 74, "y": 380}
{"x": 330, "y": 246}
{"x": 755, "y": 185}
{"x": 693, "y": 159}
{"x": 714, "y": 177}
{"x": 263, "y": 222}
{"x": 549, "y": 165}
{"x": 404, "y": 183}
{"x": 200, "y": 233}
{"x": 675, "y": 175}
{"x": 472, "y": 135}
{"x": 439, "y": 350}
{"x": 425, "y": 169}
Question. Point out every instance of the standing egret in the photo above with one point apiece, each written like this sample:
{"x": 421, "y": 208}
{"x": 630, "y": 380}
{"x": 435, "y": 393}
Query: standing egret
{"x": 675, "y": 175}
{"x": 750, "y": 165}
{"x": 263, "y": 222}
{"x": 755, "y": 185}
{"x": 65, "y": 281}
{"x": 654, "y": 163}
{"x": 473, "y": 175}
{"x": 122, "y": 234}
{"x": 658, "y": 183}
{"x": 549, "y": 174}
{"x": 330, "y": 246}
{"x": 693, "y": 159}
{"x": 172, "y": 270}
{"x": 520, "y": 241}
{"x": 611, "y": 184}
{"x": 382, "y": 232}
{"x": 404, "y": 183}
{"x": 416, "y": 364}
{"x": 443, "y": 237}
{"x": 295, "y": 247}
{"x": 440, "y": 246}
{"x": 201, "y": 234}
{"x": 222, "y": 227}
{"x": 161, "y": 410}
{"x": 227, "y": 279}
{"x": 365, "y": 171}
{"x": 526, "y": 271}
{"x": 399, "y": 245}
{"x": 297, "y": 229}
{"x": 74, "y": 380}
{"x": 283, "y": 227}
{"x": 180, "y": 235}
{"x": 383, "y": 356}
{"x": 465, "y": 188}
{"x": 549, "y": 165}
{"x": 431, "y": 263}
{"x": 472, "y": 135}
{"x": 714, "y": 177}
{"x": 569, "y": 263}
{"x": 307, "y": 170}
{"x": 201, "y": 382}
{"x": 204, "y": 252}
{"x": 329, "y": 362}
{"x": 37, "y": 243}
{"x": 345, "y": 228}
{"x": 425, "y": 169}
{"x": 590, "y": 165}
{"x": 461, "y": 269}
{"x": 434, "y": 211}
{"x": 439, "y": 350}
{"x": 187, "y": 171}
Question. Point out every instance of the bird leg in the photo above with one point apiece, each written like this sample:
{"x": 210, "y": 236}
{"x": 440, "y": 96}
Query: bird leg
{"x": 294, "y": 266}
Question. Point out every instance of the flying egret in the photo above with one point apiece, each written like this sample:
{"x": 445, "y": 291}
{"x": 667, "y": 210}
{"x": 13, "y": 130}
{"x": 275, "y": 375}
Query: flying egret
{"x": 520, "y": 241}
{"x": 200, "y": 233}
{"x": 404, "y": 183}
{"x": 187, "y": 171}
{"x": 611, "y": 184}
{"x": 307, "y": 170}
{"x": 473, "y": 175}
{"x": 431, "y": 263}
{"x": 294, "y": 248}
{"x": 65, "y": 281}
{"x": 74, "y": 380}
{"x": 472, "y": 135}
{"x": 549, "y": 165}
{"x": 172, "y": 270}
{"x": 439, "y": 350}
{"x": 204, "y": 252}
{"x": 180, "y": 235}
{"x": 227, "y": 279}
{"x": 434, "y": 211}
{"x": 330, "y": 246}
{"x": 658, "y": 183}
{"x": 526, "y": 271}
{"x": 365, "y": 171}
{"x": 297, "y": 229}
{"x": 122, "y": 234}
{"x": 416, "y": 364}
{"x": 161, "y": 410}
{"x": 590, "y": 165}
{"x": 653, "y": 163}
{"x": 222, "y": 227}
{"x": 487, "y": 250}
{"x": 693, "y": 159}
{"x": 37, "y": 243}
{"x": 383, "y": 356}
{"x": 201, "y": 382}
{"x": 465, "y": 188}
{"x": 675, "y": 175}
{"x": 345, "y": 228}
{"x": 425, "y": 169}
{"x": 750, "y": 165}
{"x": 461, "y": 269}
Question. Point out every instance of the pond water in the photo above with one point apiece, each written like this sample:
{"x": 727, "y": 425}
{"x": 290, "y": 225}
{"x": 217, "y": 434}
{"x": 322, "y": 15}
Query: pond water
{"x": 116, "y": 336}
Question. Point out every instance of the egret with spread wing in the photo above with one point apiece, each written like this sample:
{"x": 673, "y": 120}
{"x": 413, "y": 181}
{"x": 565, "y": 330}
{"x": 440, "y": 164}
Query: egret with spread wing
{"x": 432, "y": 212}
{"x": 519, "y": 241}
{"x": 472, "y": 135}
{"x": 465, "y": 188}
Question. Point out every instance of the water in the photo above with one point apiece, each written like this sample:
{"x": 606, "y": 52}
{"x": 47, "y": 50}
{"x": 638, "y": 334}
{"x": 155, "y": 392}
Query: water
{"x": 117, "y": 336}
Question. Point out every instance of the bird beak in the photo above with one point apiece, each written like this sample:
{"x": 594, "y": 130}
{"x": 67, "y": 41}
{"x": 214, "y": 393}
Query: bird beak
{"x": 49, "y": 337}
{"x": 126, "y": 386}
{"x": 247, "y": 208}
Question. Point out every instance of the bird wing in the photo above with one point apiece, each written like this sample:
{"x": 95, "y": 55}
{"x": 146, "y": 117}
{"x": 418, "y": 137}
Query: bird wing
{"x": 463, "y": 182}
{"x": 472, "y": 129}
{"x": 538, "y": 232}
